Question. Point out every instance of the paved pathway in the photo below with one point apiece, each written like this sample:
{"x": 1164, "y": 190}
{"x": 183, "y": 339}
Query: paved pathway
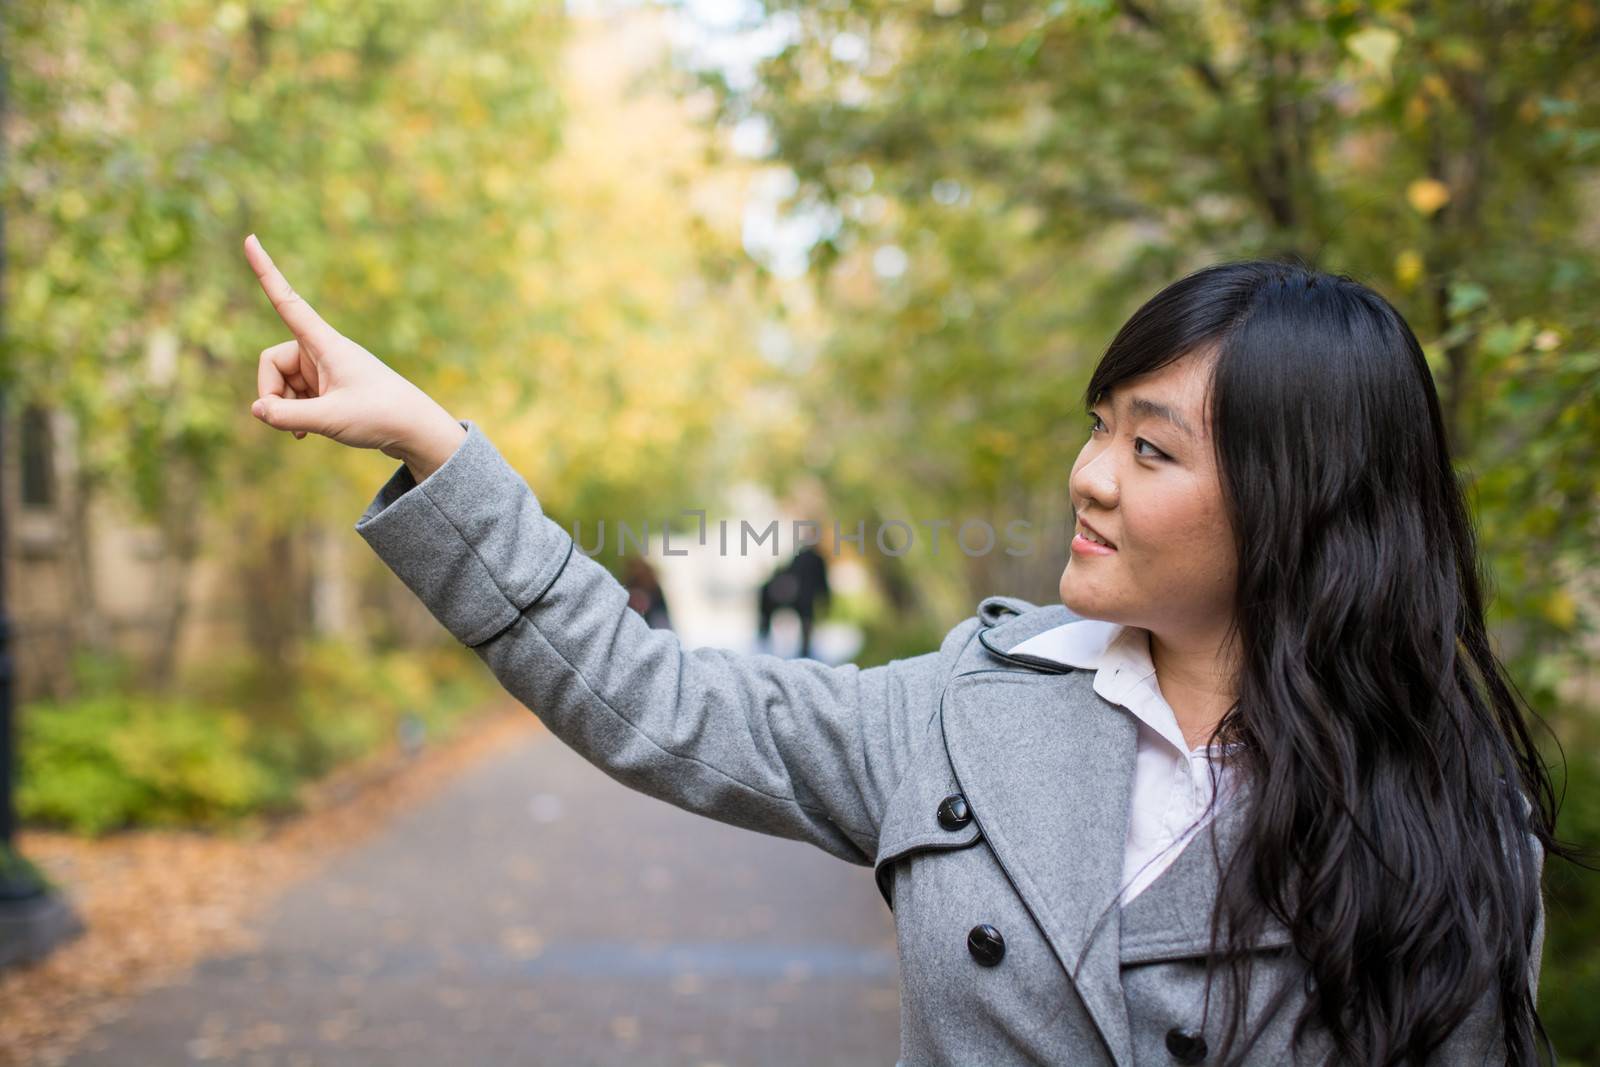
{"x": 537, "y": 912}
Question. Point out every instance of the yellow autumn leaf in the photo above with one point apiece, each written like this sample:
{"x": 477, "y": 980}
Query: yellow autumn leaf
{"x": 450, "y": 378}
{"x": 1374, "y": 46}
{"x": 383, "y": 278}
{"x": 1408, "y": 268}
{"x": 230, "y": 17}
{"x": 1560, "y": 608}
{"x": 1427, "y": 195}
{"x": 498, "y": 182}
{"x": 72, "y": 205}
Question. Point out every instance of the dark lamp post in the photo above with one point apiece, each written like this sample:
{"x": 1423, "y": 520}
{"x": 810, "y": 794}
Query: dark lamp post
{"x": 18, "y": 878}
{"x": 33, "y": 917}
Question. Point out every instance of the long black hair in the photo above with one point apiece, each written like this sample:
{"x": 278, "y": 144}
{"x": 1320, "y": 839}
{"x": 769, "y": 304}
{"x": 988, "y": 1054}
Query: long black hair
{"x": 1395, "y": 786}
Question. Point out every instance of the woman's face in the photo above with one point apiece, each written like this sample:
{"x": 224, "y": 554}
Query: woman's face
{"x": 1146, "y": 481}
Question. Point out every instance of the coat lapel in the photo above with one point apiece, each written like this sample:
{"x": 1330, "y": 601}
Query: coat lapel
{"x": 1171, "y": 919}
{"x": 1046, "y": 764}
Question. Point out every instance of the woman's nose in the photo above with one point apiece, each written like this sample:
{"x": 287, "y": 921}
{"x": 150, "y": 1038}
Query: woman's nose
{"x": 1094, "y": 482}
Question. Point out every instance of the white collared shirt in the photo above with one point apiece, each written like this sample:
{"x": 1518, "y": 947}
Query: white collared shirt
{"x": 1171, "y": 782}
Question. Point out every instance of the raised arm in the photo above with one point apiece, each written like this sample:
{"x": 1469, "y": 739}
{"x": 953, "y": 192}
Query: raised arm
{"x": 793, "y": 748}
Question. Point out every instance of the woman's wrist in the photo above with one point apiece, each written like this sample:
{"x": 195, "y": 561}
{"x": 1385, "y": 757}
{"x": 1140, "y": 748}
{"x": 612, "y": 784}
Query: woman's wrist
{"x": 436, "y": 442}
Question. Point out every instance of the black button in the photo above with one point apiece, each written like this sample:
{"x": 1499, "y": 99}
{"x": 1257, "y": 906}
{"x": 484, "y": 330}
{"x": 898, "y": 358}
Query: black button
{"x": 953, "y": 812}
{"x": 986, "y": 944}
{"x": 1186, "y": 1046}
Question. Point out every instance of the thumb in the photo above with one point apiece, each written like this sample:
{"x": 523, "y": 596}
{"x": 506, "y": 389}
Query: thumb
{"x": 310, "y": 414}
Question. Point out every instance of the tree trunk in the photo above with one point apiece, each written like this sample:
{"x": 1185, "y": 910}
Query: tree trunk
{"x": 87, "y": 629}
{"x": 180, "y": 534}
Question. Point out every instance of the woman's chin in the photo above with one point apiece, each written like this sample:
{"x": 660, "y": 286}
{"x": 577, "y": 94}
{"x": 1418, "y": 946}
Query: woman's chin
{"x": 1087, "y": 603}
{"x": 1078, "y": 602}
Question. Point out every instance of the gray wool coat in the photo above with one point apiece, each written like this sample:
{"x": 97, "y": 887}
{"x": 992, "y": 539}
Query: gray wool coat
{"x": 1012, "y": 947}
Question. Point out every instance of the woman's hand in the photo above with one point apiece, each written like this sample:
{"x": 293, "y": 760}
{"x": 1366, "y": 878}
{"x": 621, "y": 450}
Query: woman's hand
{"x": 322, "y": 382}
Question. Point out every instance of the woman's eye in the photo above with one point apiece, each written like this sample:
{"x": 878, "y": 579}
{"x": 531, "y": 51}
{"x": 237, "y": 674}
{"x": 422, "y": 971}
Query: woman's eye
{"x": 1154, "y": 453}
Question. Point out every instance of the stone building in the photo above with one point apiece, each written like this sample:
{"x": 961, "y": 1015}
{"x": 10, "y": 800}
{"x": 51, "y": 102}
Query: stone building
{"x": 83, "y": 572}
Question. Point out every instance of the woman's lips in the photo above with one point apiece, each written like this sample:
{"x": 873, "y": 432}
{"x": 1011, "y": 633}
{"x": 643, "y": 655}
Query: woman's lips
{"x": 1085, "y": 547}
{"x": 1093, "y": 536}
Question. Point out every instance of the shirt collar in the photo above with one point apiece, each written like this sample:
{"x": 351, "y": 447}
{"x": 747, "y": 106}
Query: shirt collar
{"x": 1090, "y": 644}
{"x": 1124, "y": 672}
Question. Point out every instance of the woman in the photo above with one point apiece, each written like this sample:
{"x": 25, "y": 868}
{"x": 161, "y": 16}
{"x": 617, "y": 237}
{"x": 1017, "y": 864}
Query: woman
{"x": 1271, "y": 630}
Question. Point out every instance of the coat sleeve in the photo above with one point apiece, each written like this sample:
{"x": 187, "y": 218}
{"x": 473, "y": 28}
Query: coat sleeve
{"x": 793, "y": 748}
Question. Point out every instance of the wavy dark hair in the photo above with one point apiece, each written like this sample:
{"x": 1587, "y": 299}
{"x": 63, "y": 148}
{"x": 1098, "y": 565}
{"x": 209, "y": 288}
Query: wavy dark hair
{"x": 1388, "y": 751}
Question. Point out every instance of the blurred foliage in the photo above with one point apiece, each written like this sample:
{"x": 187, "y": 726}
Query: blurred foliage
{"x": 410, "y": 167}
{"x": 998, "y": 185}
{"x": 376, "y": 148}
{"x": 1570, "y": 983}
{"x": 885, "y": 641}
{"x": 115, "y": 760}
{"x": 650, "y": 395}
{"x": 236, "y": 744}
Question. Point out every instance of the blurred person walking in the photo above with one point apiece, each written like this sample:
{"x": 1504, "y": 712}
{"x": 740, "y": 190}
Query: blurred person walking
{"x": 800, "y": 585}
{"x": 645, "y": 594}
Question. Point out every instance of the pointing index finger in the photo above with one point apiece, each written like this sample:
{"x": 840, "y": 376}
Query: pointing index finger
{"x": 292, "y": 308}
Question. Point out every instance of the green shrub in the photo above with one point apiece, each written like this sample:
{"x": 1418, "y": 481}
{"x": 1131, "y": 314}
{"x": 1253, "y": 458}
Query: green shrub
{"x": 114, "y": 760}
{"x": 239, "y": 740}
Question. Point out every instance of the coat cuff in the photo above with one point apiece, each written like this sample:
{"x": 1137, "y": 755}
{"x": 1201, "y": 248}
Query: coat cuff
{"x": 470, "y": 540}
